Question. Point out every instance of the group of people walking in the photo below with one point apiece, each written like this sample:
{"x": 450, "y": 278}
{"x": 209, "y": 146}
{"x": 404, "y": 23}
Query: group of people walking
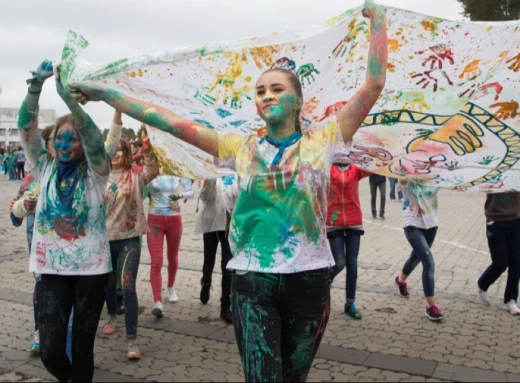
{"x": 287, "y": 225}
{"x": 12, "y": 161}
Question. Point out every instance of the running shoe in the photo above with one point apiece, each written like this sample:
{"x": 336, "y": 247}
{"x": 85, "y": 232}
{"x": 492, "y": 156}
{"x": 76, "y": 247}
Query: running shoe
{"x": 351, "y": 311}
{"x": 110, "y": 326}
{"x": 157, "y": 309}
{"x": 34, "y": 347}
{"x": 172, "y": 295}
{"x": 403, "y": 287}
{"x": 433, "y": 313}
{"x": 382, "y": 216}
{"x": 204, "y": 291}
{"x": 133, "y": 350}
{"x": 512, "y": 307}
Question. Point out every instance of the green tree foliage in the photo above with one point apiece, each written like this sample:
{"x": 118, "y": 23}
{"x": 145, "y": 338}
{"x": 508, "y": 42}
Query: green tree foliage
{"x": 491, "y": 10}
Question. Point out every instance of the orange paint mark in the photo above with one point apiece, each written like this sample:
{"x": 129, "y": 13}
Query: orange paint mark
{"x": 471, "y": 70}
{"x": 391, "y": 67}
{"x": 429, "y": 26}
{"x": 140, "y": 72}
{"x": 393, "y": 45}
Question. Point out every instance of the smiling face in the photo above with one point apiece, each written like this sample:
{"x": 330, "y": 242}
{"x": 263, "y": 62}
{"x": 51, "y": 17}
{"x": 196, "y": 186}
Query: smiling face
{"x": 123, "y": 157}
{"x": 67, "y": 143}
{"x": 276, "y": 99}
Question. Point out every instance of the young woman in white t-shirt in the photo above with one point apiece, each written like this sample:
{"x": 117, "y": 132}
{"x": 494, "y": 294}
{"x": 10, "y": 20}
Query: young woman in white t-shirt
{"x": 420, "y": 224}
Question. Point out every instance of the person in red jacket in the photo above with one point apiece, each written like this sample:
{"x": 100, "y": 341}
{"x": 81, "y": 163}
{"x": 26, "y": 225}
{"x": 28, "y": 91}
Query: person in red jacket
{"x": 345, "y": 225}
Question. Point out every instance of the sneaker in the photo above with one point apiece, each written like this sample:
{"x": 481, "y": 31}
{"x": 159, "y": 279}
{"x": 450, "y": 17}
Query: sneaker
{"x": 110, "y": 326}
{"x": 225, "y": 314}
{"x": 121, "y": 309}
{"x": 382, "y": 216}
{"x": 403, "y": 287}
{"x": 392, "y": 199}
{"x": 512, "y": 307}
{"x": 374, "y": 216}
{"x": 133, "y": 350}
{"x": 433, "y": 313}
{"x": 172, "y": 295}
{"x": 483, "y": 295}
{"x": 34, "y": 347}
{"x": 204, "y": 291}
{"x": 157, "y": 309}
{"x": 351, "y": 310}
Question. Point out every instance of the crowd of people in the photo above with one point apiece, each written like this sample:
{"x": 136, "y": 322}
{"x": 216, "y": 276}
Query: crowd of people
{"x": 288, "y": 222}
{"x": 12, "y": 162}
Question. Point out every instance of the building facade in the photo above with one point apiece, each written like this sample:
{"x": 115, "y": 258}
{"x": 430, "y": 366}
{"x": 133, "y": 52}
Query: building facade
{"x": 9, "y": 122}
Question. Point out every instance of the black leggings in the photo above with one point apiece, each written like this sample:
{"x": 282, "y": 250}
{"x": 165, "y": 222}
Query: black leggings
{"x": 58, "y": 293}
{"x": 279, "y": 322}
{"x": 211, "y": 241}
{"x": 20, "y": 170}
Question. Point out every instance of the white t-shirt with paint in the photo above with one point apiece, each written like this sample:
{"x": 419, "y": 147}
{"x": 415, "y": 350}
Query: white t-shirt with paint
{"x": 420, "y": 206}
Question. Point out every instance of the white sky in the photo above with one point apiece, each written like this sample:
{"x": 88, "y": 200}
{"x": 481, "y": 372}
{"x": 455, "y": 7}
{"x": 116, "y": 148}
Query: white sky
{"x": 31, "y": 31}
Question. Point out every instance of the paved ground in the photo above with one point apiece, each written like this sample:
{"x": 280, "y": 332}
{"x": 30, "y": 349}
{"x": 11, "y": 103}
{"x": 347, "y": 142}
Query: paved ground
{"x": 393, "y": 342}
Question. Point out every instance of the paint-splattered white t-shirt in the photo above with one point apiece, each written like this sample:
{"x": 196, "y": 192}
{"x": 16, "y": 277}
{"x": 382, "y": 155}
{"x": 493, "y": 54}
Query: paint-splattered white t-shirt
{"x": 419, "y": 206}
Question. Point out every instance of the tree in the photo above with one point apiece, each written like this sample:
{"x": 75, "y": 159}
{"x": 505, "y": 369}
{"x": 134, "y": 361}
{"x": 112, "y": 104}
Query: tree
{"x": 491, "y": 10}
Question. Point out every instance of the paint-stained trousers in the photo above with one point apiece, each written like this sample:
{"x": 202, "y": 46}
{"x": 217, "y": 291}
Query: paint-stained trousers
{"x": 279, "y": 322}
{"x": 58, "y": 293}
{"x": 126, "y": 254}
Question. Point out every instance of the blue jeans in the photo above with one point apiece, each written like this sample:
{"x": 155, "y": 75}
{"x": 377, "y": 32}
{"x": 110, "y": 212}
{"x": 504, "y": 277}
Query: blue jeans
{"x": 125, "y": 254}
{"x": 504, "y": 246}
{"x": 421, "y": 241}
{"x": 393, "y": 182}
{"x": 345, "y": 249}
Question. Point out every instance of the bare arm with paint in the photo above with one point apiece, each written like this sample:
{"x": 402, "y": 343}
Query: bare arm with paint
{"x": 90, "y": 135}
{"x": 193, "y": 133}
{"x": 151, "y": 167}
{"x": 352, "y": 115}
{"x": 30, "y": 135}
{"x": 114, "y": 135}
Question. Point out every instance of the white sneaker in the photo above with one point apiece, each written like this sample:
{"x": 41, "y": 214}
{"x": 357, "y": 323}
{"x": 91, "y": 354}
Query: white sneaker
{"x": 512, "y": 307}
{"x": 172, "y": 295}
{"x": 483, "y": 295}
{"x": 157, "y": 309}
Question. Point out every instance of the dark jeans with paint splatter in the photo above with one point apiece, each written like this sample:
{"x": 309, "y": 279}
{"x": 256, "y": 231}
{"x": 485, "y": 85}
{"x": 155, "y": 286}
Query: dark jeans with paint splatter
{"x": 421, "y": 241}
{"x": 211, "y": 241}
{"x": 126, "y": 254}
{"x": 279, "y": 322}
{"x": 504, "y": 246}
{"x": 58, "y": 294}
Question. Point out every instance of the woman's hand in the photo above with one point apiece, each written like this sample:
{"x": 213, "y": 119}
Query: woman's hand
{"x": 29, "y": 204}
{"x": 43, "y": 72}
{"x": 11, "y": 204}
{"x": 84, "y": 93}
{"x": 371, "y": 9}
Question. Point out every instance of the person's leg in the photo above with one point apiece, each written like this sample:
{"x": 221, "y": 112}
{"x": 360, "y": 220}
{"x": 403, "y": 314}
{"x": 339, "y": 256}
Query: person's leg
{"x": 373, "y": 196}
{"x": 498, "y": 248}
{"x": 210, "y": 253}
{"x": 88, "y": 304}
{"x": 382, "y": 191}
{"x": 36, "y": 294}
{"x": 408, "y": 267}
{"x": 225, "y": 297}
{"x": 129, "y": 258}
{"x": 393, "y": 181}
{"x": 305, "y": 309}
{"x": 352, "y": 244}
{"x": 155, "y": 246}
{"x": 258, "y": 325}
{"x": 68, "y": 347}
{"x": 173, "y": 240}
{"x": 513, "y": 262}
{"x": 56, "y": 300}
{"x": 110, "y": 294}
{"x": 337, "y": 246}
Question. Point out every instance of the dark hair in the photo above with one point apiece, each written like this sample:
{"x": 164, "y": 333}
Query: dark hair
{"x": 127, "y": 152}
{"x": 47, "y": 132}
{"x": 294, "y": 79}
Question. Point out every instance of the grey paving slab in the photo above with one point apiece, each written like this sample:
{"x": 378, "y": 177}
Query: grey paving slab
{"x": 402, "y": 364}
{"x": 466, "y": 374}
{"x": 344, "y": 355}
{"x": 513, "y": 377}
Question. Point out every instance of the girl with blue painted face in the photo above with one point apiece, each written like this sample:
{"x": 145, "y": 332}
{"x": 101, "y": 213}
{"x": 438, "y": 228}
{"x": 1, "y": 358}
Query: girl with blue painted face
{"x": 70, "y": 244}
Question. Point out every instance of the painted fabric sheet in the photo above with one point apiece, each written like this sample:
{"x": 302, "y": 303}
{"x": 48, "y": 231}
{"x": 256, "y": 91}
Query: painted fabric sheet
{"x": 449, "y": 114}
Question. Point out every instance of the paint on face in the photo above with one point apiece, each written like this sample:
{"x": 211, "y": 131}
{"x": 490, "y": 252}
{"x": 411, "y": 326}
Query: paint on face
{"x": 67, "y": 144}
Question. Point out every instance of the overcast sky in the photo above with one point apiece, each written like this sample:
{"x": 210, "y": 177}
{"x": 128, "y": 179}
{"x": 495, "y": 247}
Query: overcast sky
{"x": 31, "y": 31}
